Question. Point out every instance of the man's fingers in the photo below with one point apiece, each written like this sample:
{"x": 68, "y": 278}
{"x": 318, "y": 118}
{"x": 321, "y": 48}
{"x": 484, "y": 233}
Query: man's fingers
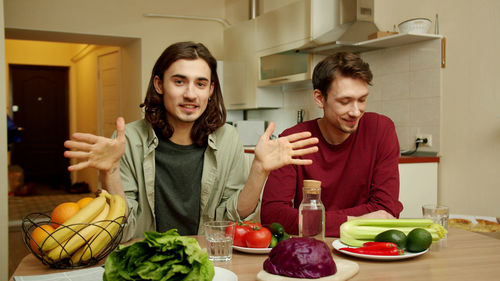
{"x": 79, "y": 166}
{"x": 298, "y": 136}
{"x": 76, "y": 145}
{"x": 88, "y": 138}
{"x": 76, "y": 154}
{"x": 304, "y": 143}
{"x": 120, "y": 128}
{"x": 305, "y": 151}
{"x": 301, "y": 161}
{"x": 269, "y": 131}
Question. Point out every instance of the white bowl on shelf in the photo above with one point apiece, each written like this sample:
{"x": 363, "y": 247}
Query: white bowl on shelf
{"x": 416, "y": 25}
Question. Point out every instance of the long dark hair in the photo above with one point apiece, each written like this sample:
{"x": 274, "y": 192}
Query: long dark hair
{"x": 343, "y": 63}
{"x": 214, "y": 116}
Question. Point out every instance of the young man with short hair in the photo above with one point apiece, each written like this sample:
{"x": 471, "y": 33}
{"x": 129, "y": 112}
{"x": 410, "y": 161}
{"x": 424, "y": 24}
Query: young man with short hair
{"x": 357, "y": 162}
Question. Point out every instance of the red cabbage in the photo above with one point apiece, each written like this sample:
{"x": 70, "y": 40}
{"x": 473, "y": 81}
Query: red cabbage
{"x": 300, "y": 258}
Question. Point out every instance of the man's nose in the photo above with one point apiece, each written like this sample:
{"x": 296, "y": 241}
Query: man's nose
{"x": 355, "y": 110}
{"x": 190, "y": 93}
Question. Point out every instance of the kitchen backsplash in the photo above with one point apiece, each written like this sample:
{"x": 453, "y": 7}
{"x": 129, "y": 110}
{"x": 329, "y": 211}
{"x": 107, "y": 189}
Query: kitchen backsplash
{"x": 406, "y": 88}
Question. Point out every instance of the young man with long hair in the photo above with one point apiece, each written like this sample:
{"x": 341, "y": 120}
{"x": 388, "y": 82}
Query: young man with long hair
{"x": 182, "y": 165}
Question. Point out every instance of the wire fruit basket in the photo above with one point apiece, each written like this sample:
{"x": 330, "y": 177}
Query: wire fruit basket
{"x": 34, "y": 220}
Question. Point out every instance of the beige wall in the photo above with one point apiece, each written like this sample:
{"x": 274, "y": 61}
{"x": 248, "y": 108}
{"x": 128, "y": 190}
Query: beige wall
{"x": 470, "y": 114}
{"x": 123, "y": 19}
{"x": 4, "y": 216}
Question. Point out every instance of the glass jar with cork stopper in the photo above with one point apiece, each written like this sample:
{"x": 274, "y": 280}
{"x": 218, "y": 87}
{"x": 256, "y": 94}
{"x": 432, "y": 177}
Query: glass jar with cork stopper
{"x": 312, "y": 211}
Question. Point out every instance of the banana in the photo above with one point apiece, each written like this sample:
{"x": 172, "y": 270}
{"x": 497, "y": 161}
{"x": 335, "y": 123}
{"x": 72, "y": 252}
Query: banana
{"x": 74, "y": 224}
{"x": 104, "y": 192}
{"x": 103, "y": 238}
{"x": 79, "y": 239}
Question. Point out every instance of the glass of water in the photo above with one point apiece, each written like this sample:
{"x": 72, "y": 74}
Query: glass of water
{"x": 438, "y": 213}
{"x": 219, "y": 235}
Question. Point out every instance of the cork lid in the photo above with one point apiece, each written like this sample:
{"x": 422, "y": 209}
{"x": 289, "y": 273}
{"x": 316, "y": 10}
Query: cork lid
{"x": 312, "y": 186}
{"x": 312, "y": 183}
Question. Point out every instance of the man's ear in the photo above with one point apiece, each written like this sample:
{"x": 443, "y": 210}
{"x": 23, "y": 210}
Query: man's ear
{"x": 318, "y": 98}
{"x": 157, "y": 82}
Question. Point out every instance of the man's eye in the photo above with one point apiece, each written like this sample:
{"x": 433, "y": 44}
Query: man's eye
{"x": 344, "y": 102}
{"x": 202, "y": 84}
{"x": 178, "y": 82}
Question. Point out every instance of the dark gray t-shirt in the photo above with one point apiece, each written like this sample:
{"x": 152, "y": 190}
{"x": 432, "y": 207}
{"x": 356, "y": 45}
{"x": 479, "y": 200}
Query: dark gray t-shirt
{"x": 177, "y": 186}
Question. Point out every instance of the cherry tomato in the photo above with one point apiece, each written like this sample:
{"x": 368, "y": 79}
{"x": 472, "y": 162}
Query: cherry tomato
{"x": 259, "y": 238}
{"x": 240, "y": 232}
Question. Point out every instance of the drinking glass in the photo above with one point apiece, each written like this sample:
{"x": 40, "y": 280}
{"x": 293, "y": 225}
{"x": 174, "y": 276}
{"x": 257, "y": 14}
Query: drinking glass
{"x": 438, "y": 213}
{"x": 219, "y": 235}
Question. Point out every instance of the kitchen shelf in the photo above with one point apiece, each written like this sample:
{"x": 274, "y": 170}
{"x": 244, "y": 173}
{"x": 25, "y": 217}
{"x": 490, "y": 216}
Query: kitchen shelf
{"x": 374, "y": 44}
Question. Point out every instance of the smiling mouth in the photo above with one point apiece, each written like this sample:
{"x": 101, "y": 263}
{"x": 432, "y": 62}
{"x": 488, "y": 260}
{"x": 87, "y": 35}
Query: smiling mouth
{"x": 189, "y": 106}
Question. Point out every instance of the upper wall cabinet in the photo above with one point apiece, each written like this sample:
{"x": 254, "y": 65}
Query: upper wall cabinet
{"x": 284, "y": 29}
{"x": 241, "y": 71}
{"x": 306, "y": 24}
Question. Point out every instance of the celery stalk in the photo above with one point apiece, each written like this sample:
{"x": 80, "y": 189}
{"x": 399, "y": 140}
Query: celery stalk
{"x": 356, "y": 232}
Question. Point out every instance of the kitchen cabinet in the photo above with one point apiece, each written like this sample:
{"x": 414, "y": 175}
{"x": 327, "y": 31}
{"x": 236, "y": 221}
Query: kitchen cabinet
{"x": 418, "y": 185}
{"x": 284, "y": 29}
{"x": 240, "y": 75}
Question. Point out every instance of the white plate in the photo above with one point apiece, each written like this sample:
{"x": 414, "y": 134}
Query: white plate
{"x": 337, "y": 244}
{"x": 222, "y": 274}
{"x": 252, "y": 250}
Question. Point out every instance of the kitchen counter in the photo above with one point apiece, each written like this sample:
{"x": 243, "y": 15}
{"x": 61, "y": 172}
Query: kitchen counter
{"x": 418, "y": 157}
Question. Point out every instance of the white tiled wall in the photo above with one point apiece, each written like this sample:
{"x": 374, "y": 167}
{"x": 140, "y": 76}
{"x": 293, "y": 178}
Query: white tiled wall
{"x": 406, "y": 87}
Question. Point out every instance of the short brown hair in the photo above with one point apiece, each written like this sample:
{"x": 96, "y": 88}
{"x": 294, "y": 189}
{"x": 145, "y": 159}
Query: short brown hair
{"x": 214, "y": 116}
{"x": 339, "y": 64}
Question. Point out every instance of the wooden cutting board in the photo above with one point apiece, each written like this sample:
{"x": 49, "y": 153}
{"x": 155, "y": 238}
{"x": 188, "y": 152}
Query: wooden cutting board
{"x": 346, "y": 269}
{"x": 379, "y": 34}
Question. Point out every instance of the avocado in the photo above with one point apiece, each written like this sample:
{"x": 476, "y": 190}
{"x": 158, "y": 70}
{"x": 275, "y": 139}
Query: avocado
{"x": 418, "y": 240}
{"x": 392, "y": 235}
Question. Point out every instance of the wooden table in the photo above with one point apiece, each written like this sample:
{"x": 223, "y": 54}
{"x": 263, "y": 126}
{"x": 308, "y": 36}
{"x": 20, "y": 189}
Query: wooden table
{"x": 466, "y": 256}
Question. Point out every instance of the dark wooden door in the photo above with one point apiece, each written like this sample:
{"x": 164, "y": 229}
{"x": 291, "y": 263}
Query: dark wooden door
{"x": 40, "y": 94}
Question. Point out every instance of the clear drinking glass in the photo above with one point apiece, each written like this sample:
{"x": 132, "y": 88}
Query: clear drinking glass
{"x": 219, "y": 235}
{"x": 438, "y": 213}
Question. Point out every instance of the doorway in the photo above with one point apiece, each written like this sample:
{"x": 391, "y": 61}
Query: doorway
{"x": 40, "y": 107}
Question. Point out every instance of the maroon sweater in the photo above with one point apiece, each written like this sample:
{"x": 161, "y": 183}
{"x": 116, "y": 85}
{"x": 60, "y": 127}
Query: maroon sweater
{"x": 358, "y": 176}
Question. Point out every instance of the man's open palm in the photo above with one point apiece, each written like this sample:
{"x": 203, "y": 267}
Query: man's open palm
{"x": 95, "y": 151}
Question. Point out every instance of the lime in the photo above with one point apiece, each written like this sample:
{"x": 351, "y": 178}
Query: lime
{"x": 284, "y": 236}
{"x": 418, "y": 240}
{"x": 277, "y": 229}
{"x": 392, "y": 235}
{"x": 274, "y": 242}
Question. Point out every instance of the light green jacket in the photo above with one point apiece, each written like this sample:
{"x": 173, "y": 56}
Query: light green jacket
{"x": 225, "y": 171}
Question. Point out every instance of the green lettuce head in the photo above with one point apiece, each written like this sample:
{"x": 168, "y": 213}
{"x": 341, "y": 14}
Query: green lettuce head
{"x": 160, "y": 256}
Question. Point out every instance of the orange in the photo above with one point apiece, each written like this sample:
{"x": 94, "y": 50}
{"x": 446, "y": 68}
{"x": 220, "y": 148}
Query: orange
{"x": 63, "y": 212}
{"x": 84, "y": 201}
{"x": 38, "y": 235}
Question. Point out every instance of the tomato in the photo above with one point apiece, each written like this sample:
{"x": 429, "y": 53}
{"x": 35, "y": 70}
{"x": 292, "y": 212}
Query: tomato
{"x": 259, "y": 238}
{"x": 252, "y": 224}
{"x": 240, "y": 232}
